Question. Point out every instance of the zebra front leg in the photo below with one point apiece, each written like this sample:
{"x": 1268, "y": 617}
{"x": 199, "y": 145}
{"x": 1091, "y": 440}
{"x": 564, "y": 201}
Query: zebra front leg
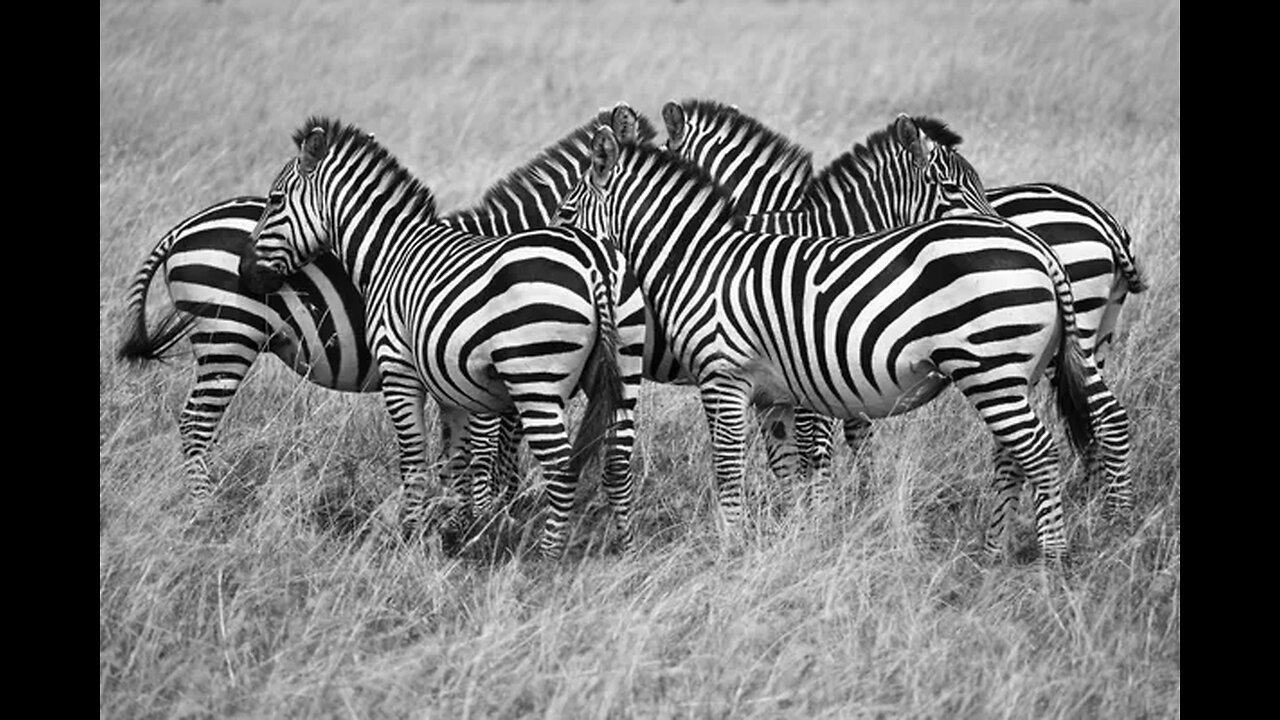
{"x": 725, "y": 401}
{"x": 405, "y": 400}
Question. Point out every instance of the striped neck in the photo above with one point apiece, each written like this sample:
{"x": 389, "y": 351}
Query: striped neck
{"x": 372, "y": 203}
{"x": 762, "y": 169}
{"x": 663, "y": 209}
{"x": 875, "y": 185}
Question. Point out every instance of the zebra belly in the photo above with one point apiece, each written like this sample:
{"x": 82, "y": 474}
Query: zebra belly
{"x": 916, "y": 387}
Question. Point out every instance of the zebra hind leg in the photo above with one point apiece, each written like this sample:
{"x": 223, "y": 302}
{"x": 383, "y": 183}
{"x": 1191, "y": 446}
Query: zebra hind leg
{"x": 1025, "y": 440}
{"x": 1007, "y": 486}
{"x": 617, "y": 480}
{"x": 198, "y": 423}
{"x": 820, "y": 454}
{"x": 1111, "y": 432}
{"x": 545, "y": 425}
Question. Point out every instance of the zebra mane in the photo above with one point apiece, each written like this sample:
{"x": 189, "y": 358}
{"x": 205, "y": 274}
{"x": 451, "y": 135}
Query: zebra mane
{"x": 864, "y": 158}
{"x": 566, "y": 155}
{"x": 343, "y": 135}
{"x": 789, "y": 154}
{"x": 687, "y": 172}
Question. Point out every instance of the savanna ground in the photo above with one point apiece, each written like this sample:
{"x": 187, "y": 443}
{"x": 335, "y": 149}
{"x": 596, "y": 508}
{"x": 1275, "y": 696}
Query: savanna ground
{"x": 299, "y": 604}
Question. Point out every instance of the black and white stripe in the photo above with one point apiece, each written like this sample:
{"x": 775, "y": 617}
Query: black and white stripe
{"x": 315, "y": 321}
{"x": 872, "y": 326}
{"x": 482, "y": 325}
{"x": 860, "y": 192}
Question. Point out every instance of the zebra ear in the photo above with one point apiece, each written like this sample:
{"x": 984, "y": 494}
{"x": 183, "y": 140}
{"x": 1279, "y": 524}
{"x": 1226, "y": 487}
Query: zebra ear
{"x": 604, "y": 155}
{"x": 673, "y": 118}
{"x": 918, "y": 145}
{"x": 625, "y": 124}
{"x": 312, "y": 151}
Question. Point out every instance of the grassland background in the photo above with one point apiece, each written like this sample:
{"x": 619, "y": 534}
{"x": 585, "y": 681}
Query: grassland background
{"x": 876, "y": 611}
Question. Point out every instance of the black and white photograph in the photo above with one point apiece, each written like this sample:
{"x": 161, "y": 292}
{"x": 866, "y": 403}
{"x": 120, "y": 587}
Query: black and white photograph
{"x": 640, "y": 359}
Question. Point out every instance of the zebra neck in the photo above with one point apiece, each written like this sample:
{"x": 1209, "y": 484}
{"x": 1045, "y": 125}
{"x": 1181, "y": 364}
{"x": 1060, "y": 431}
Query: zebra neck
{"x": 767, "y": 186}
{"x": 658, "y": 249}
{"x": 372, "y": 227}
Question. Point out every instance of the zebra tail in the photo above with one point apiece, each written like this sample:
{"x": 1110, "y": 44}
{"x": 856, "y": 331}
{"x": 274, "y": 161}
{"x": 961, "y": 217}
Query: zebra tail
{"x": 139, "y": 345}
{"x": 1071, "y": 385}
{"x": 1071, "y": 382}
{"x": 1129, "y": 267}
{"x": 601, "y": 381}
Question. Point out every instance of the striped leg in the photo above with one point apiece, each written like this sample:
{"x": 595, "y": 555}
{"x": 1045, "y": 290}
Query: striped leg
{"x": 484, "y": 444}
{"x": 724, "y": 400}
{"x": 1007, "y": 486}
{"x": 218, "y": 378}
{"x": 778, "y": 427}
{"x": 1110, "y": 424}
{"x": 806, "y": 420}
{"x": 507, "y": 479}
{"x": 617, "y": 480}
{"x": 405, "y": 399}
{"x": 1006, "y": 409}
{"x": 820, "y": 454}
{"x": 545, "y": 426}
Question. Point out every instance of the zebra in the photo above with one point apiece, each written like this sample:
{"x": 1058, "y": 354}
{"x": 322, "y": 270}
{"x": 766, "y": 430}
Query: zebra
{"x": 876, "y": 325}
{"x": 315, "y": 321}
{"x": 481, "y": 324}
{"x": 770, "y": 177}
{"x": 847, "y": 197}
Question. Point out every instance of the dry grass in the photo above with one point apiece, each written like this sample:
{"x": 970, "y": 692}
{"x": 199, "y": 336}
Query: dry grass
{"x": 296, "y": 603}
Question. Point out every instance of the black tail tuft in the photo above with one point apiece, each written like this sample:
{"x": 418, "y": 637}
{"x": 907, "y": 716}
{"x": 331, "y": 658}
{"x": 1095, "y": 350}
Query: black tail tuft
{"x": 1071, "y": 388}
{"x": 602, "y": 383}
{"x": 141, "y": 346}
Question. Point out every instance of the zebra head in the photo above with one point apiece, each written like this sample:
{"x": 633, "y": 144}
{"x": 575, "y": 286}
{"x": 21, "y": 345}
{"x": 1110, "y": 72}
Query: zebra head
{"x": 584, "y": 206}
{"x": 288, "y": 235}
{"x": 620, "y": 126}
{"x": 945, "y": 183}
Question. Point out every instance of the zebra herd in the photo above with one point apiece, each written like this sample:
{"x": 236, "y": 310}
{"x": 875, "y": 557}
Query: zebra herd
{"x": 718, "y": 258}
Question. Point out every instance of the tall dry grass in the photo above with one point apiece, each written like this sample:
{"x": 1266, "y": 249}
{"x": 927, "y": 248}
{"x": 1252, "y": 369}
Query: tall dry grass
{"x": 298, "y": 604}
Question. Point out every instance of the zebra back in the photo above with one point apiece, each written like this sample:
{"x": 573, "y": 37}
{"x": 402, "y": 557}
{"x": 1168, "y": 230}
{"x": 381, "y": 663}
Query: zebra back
{"x": 908, "y": 172}
{"x": 1051, "y": 210}
{"x": 529, "y": 195}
